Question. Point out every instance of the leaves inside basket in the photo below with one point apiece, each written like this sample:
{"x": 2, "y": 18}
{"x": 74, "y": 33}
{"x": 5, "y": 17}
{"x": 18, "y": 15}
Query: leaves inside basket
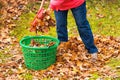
{"x": 34, "y": 43}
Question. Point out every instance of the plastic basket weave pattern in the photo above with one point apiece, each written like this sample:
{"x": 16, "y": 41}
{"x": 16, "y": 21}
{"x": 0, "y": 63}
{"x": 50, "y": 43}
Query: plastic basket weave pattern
{"x": 38, "y": 58}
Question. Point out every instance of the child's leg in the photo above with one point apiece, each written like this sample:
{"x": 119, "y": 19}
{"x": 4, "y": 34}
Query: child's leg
{"x": 84, "y": 29}
{"x": 61, "y": 23}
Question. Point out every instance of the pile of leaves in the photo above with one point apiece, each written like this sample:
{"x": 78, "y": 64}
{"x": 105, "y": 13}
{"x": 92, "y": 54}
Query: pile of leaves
{"x": 10, "y": 10}
{"x": 10, "y": 55}
{"x": 73, "y": 61}
{"x": 42, "y": 22}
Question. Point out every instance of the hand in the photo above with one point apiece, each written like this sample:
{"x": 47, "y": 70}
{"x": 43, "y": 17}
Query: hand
{"x": 49, "y": 10}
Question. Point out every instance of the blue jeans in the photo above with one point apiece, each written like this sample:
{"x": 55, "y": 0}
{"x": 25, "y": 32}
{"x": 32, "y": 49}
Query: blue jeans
{"x": 82, "y": 23}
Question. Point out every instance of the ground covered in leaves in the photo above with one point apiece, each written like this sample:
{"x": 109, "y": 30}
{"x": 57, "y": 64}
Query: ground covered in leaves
{"x": 73, "y": 62}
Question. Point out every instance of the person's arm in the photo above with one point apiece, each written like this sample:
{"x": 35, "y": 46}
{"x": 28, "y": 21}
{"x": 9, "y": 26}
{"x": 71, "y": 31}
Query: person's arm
{"x": 57, "y": 2}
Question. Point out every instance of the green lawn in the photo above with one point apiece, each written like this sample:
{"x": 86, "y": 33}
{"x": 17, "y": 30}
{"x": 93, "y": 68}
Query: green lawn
{"x": 103, "y": 16}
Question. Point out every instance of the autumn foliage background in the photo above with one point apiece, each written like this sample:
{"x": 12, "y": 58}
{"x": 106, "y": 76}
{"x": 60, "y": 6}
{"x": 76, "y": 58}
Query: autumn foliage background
{"x": 73, "y": 62}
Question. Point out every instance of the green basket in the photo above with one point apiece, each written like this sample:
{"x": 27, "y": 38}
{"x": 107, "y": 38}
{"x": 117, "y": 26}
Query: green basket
{"x": 39, "y": 58}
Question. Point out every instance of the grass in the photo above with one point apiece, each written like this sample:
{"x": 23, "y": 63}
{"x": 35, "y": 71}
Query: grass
{"x": 4, "y": 57}
{"x": 27, "y": 76}
{"x": 95, "y": 76}
{"x": 113, "y": 63}
{"x": 109, "y": 24}
{"x": 23, "y": 25}
{"x": 103, "y": 18}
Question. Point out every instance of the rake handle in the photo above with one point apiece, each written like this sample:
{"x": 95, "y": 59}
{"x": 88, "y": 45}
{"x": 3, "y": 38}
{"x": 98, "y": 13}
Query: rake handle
{"x": 43, "y": 1}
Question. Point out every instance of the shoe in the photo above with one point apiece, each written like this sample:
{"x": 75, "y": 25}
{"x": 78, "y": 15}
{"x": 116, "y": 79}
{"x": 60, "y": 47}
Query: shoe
{"x": 94, "y": 57}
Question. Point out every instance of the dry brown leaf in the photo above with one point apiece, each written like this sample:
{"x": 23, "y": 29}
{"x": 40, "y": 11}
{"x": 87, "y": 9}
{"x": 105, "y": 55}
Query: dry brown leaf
{"x": 42, "y": 22}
